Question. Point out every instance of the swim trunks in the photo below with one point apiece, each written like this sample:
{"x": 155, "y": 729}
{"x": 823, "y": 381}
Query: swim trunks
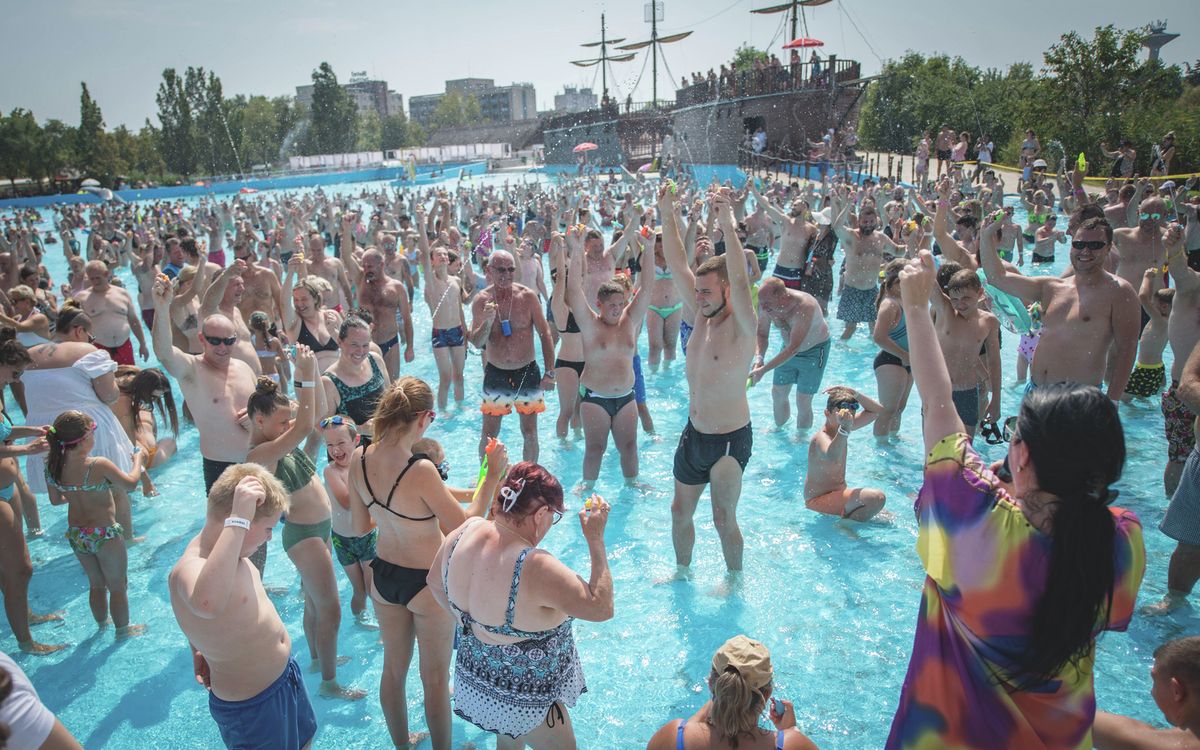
{"x": 943, "y": 154}
{"x": 281, "y": 716}
{"x": 122, "y": 355}
{"x": 966, "y": 403}
{"x": 639, "y": 382}
{"x": 148, "y": 317}
{"x": 213, "y": 470}
{"x": 685, "y": 333}
{"x": 1178, "y": 420}
{"x": 792, "y": 278}
{"x": 762, "y": 255}
{"x": 805, "y": 369}
{"x": 505, "y": 389}
{"x": 698, "y": 452}
{"x": 1146, "y": 380}
{"x": 351, "y": 550}
{"x": 1182, "y": 521}
{"x": 1029, "y": 344}
{"x": 446, "y": 337}
{"x": 857, "y": 305}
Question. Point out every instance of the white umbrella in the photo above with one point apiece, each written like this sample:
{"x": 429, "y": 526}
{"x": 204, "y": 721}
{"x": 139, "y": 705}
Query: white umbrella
{"x": 90, "y": 182}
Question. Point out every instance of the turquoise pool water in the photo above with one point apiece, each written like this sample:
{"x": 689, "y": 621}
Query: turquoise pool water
{"x": 836, "y": 603}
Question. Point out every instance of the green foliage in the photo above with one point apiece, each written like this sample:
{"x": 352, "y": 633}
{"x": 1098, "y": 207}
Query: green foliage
{"x": 370, "y": 131}
{"x": 333, "y": 122}
{"x": 746, "y": 55}
{"x": 88, "y": 136}
{"x": 1089, "y": 90}
{"x": 398, "y": 132}
{"x": 177, "y": 137}
{"x": 455, "y": 109}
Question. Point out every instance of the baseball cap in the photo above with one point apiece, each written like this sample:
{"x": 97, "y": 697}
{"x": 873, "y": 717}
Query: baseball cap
{"x": 748, "y": 658}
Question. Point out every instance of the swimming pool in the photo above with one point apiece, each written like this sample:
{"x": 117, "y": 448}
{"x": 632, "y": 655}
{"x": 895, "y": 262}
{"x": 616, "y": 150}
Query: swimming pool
{"x": 836, "y": 603}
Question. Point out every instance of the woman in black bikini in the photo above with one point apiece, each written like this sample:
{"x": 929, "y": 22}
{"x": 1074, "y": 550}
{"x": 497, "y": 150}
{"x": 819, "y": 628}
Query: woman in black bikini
{"x": 411, "y": 518}
{"x": 305, "y": 320}
{"x": 569, "y": 363}
{"x": 358, "y": 379}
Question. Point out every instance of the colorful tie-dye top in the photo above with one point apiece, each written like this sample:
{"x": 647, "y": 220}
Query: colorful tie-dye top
{"x": 986, "y": 568}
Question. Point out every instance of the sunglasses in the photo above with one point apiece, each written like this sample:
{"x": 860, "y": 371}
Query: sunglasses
{"x": 851, "y": 405}
{"x": 337, "y": 421}
{"x": 1010, "y": 428}
{"x": 217, "y": 340}
{"x": 558, "y": 515}
{"x": 444, "y": 470}
{"x": 1088, "y": 244}
{"x": 1145, "y": 217}
{"x": 432, "y": 415}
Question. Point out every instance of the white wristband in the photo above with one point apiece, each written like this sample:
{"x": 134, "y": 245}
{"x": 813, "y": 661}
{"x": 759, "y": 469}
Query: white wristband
{"x": 843, "y": 432}
{"x": 241, "y": 523}
{"x": 305, "y": 383}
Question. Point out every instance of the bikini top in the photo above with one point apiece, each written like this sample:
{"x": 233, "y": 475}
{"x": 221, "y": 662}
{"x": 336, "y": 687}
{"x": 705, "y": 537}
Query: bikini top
{"x": 305, "y": 337}
{"x": 572, "y": 326}
{"x": 358, "y": 401}
{"x": 87, "y": 486}
{"x": 295, "y": 470}
{"x": 509, "y": 611}
{"x": 662, "y": 273}
{"x": 388, "y": 505}
{"x": 6, "y": 426}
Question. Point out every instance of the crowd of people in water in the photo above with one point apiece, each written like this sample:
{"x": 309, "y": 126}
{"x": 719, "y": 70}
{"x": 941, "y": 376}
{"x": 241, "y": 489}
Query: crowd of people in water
{"x": 286, "y": 324}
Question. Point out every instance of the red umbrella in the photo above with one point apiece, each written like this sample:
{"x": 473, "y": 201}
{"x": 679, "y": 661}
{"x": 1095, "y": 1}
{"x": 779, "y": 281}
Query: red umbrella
{"x": 804, "y": 41}
{"x": 585, "y": 146}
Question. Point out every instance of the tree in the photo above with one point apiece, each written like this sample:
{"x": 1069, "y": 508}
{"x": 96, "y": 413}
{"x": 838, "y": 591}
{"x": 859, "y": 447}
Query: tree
{"x": 746, "y": 55}
{"x": 177, "y": 137}
{"x": 260, "y": 139}
{"x": 333, "y": 121}
{"x": 54, "y": 150}
{"x": 290, "y": 119}
{"x": 87, "y": 137}
{"x": 19, "y": 134}
{"x": 149, "y": 162}
{"x": 455, "y": 109}
{"x": 370, "y": 131}
{"x": 395, "y": 132}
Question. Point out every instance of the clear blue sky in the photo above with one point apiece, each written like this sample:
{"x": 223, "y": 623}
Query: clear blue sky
{"x": 120, "y": 47}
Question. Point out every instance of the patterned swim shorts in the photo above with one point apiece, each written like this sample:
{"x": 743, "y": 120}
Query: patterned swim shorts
{"x": 1179, "y": 422}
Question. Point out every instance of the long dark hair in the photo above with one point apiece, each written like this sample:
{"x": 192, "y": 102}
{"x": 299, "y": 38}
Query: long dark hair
{"x": 141, "y": 385}
{"x": 12, "y": 352}
{"x": 1077, "y": 448}
{"x": 68, "y": 431}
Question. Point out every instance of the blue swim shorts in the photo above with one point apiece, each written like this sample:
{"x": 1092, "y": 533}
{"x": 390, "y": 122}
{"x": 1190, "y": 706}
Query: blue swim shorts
{"x": 278, "y": 718}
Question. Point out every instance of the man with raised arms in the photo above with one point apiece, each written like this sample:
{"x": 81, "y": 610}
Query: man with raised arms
{"x": 333, "y": 270}
{"x": 504, "y": 318}
{"x": 865, "y": 248}
{"x": 215, "y": 383}
{"x": 798, "y": 234}
{"x": 444, "y": 295}
{"x": 114, "y": 314}
{"x": 801, "y": 362}
{"x": 716, "y": 443}
{"x": 222, "y": 298}
{"x": 607, "y": 383}
{"x": 240, "y": 648}
{"x": 1083, "y": 315}
{"x": 263, "y": 290}
{"x": 387, "y": 301}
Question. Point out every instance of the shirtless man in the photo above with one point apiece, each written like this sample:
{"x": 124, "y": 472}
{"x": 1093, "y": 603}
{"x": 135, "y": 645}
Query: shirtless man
{"x": 1117, "y": 212}
{"x": 222, "y": 297}
{"x": 214, "y": 382}
{"x": 240, "y": 648}
{"x": 387, "y": 301}
{"x": 1149, "y": 374}
{"x": 825, "y": 489}
{"x": 610, "y": 332}
{"x": 444, "y": 296}
{"x": 1140, "y": 246}
{"x": 717, "y": 442}
{"x": 145, "y": 271}
{"x": 760, "y": 231}
{"x": 114, "y": 315}
{"x": 263, "y": 290}
{"x": 963, "y": 331}
{"x": 943, "y": 146}
{"x": 1082, "y": 314}
{"x": 1183, "y": 336}
{"x": 865, "y": 248}
{"x": 801, "y": 362}
{"x": 798, "y": 234}
{"x": 333, "y": 270}
{"x": 504, "y": 318}
{"x": 1045, "y": 239}
{"x": 1175, "y": 688}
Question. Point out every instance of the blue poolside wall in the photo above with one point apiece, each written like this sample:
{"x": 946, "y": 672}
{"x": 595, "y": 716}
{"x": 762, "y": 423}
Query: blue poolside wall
{"x": 265, "y": 183}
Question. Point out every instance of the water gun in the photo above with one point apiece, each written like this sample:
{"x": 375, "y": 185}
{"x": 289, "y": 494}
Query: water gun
{"x": 1081, "y": 162}
{"x": 483, "y": 467}
{"x": 671, "y": 186}
{"x": 592, "y": 503}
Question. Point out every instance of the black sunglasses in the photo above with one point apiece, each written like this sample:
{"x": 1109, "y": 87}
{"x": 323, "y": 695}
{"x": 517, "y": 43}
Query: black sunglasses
{"x": 1088, "y": 244}
{"x": 217, "y": 340}
{"x": 1010, "y": 428}
{"x": 851, "y": 405}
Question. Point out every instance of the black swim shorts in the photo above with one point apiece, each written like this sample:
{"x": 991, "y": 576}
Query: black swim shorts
{"x": 698, "y": 452}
